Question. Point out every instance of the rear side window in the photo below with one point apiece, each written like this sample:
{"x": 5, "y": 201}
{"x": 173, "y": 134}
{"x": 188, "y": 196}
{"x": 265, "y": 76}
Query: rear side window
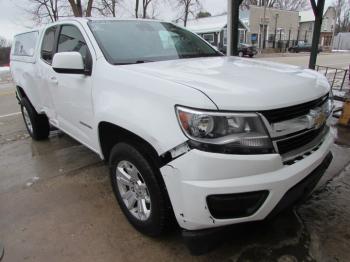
{"x": 71, "y": 40}
{"x": 47, "y": 47}
{"x": 25, "y": 44}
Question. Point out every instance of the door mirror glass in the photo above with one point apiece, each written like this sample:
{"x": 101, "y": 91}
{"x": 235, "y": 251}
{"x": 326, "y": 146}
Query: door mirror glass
{"x": 68, "y": 63}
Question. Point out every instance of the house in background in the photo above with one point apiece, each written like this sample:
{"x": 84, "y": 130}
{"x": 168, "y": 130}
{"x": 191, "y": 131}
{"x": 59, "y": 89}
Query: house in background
{"x": 214, "y": 30}
{"x": 307, "y": 22}
{"x": 278, "y": 26}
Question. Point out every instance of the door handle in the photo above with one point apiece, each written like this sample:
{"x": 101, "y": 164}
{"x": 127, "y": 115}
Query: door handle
{"x": 53, "y": 79}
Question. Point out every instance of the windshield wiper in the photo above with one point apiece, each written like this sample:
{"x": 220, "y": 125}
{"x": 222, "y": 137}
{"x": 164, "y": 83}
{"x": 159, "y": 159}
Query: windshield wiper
{"x": 143, "y": 61}
{"x": 200, "y": 55}
{"x": 131, "y": 63}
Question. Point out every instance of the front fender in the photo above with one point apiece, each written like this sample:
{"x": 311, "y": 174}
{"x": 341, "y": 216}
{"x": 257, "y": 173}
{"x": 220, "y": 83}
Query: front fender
{"x": 142, "y": 104}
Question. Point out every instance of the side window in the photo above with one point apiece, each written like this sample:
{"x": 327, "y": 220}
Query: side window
{"x": 25, "y": 44}
{"x": 47, "y": 46}
{"x": 71, "y": 40}
{"x": 209, "y": 38}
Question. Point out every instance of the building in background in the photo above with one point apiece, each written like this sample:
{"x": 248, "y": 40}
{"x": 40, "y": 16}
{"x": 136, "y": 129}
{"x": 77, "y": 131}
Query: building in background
{"x": 274, "y": 26}
{"x": 267, "y": 27}
{"x": 279, "y": 26}
{"x": 307, "y": 22}
{"x": 214, "y": 30}
{"x": 342, "y": 41}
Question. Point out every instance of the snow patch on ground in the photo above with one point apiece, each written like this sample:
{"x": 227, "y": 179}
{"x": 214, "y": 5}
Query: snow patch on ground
{"x": 4, "y": 69}
{"x": 339, "y": 93}
{"x": 341, "y": 51}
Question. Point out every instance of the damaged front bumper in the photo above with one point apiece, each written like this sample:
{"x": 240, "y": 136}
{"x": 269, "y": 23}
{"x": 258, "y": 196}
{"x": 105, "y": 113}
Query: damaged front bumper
{"x": 260, "y": 181}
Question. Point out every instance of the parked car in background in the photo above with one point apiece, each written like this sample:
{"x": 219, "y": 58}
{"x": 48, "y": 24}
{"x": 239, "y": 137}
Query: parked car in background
{"x": 243, "y": 50}
{"x": 246, "y": 50}
{"x": 301, "y": 47}
{"x": 188, "y": 133}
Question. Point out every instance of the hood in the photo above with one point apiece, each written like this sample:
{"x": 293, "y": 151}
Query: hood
{"x": 241, "y": 84}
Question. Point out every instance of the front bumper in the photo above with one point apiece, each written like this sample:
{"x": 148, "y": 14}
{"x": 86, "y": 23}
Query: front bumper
{"x": 191, "y": 178}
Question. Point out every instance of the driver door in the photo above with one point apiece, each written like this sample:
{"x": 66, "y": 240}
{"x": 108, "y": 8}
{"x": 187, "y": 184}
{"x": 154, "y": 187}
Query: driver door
{"x": 72, "y": 95}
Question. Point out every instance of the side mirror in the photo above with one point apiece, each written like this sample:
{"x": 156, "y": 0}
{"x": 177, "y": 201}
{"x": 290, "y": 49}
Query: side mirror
{"x": 68, "y": 63}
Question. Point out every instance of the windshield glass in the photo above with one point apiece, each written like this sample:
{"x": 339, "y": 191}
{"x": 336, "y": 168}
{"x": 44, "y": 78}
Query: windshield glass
{"x": 128, "y": 42}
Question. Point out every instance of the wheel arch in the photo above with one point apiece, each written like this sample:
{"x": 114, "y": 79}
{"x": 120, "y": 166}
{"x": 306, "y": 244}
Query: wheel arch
{"x": 20, "y": 93}
{"x": 110, "y": 134}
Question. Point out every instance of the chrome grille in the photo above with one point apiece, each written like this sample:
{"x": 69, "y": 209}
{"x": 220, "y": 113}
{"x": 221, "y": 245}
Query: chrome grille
{"x": 291, "y": 143}
{"x": 297, "y": 130}
{"x": 282, "y": 114}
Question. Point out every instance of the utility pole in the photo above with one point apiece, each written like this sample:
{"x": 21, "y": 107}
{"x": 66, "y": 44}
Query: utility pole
{"x": 274, "y": 42}
{"x": 232, "y": 26}
{"x": 264, "y": 25}
{"x": 318, "y": 12}
{"x": 290, "y": 31}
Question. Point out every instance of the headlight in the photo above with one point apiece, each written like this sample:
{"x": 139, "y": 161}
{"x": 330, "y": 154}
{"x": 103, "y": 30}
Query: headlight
{"x": 235, "y": 133}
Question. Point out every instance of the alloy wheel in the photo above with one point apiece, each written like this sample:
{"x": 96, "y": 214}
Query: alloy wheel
{"x": 27, "y": 120}
{"x": 133, "y": 190}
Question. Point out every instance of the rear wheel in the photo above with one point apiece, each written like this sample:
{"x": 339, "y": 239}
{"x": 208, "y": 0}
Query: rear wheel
{"x": 240, "y": 54}
{"x": 142, "y": 198}
{"x": 251, "y": 55}
{"x": 37, "y": 125}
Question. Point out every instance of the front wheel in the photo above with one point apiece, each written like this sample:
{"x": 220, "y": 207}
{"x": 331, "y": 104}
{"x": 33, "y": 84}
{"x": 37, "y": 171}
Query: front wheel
{"x": 37, "y": 125}
{"x": 240, "y": 54}
{"x": 140, "y": 194}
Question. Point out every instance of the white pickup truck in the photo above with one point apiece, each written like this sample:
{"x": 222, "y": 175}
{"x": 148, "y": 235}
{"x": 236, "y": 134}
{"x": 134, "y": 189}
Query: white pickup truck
{"x": 187, "y": 132}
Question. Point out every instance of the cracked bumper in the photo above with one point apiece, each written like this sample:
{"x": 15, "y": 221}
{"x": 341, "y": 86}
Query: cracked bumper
{"x": 194, "y": 176}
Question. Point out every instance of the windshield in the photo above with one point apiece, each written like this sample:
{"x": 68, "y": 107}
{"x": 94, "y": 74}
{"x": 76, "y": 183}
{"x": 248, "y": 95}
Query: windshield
{"x": 129, "y": 42}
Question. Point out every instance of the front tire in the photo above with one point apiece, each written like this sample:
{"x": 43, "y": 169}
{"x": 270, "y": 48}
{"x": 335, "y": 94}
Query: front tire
{"x": 240, "y": 54}
{"x": 37, "y": 125}
{"x": 142, "y": 198}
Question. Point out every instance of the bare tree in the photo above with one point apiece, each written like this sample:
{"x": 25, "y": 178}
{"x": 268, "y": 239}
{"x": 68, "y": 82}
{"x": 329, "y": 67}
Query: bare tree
{"x": 44, "y": 11}
{"x": 137, "y": 3}
{"x": 107, "y": 7}
{"x": 148, "y": 8}
{"x": 296, "y": 5}
{"x": 268, "y": 3}
{"x": 187, "y": 7}
{"x": 342, "y": 16}
{"x": 293, "y": 5}
{"x": 145, "y": 5}
{"x": 89, "y": 8}
{"x": 77, "y": 8}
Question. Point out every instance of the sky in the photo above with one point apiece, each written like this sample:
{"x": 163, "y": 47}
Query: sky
{"x": 14, "y": 19}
